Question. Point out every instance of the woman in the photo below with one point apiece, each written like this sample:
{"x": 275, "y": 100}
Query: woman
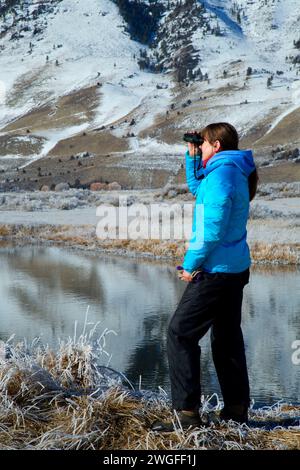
{"x": 219, "y": 254}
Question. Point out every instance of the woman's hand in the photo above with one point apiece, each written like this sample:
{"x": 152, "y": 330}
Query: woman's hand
{"x": 185, "y": 276}
{"x": 193, "y": 149}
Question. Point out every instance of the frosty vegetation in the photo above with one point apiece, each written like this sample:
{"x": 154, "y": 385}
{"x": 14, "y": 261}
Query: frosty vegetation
{"x": 66, "y": 399}
{"x": 77, "y": 198}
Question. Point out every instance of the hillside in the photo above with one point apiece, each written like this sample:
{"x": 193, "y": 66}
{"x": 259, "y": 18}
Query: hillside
{"x": 123, "y": 80}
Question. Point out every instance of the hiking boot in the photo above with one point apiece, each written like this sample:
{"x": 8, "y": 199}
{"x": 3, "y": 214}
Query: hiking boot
{"x": 186, "y": 421}
{"x": 237, "y": 413}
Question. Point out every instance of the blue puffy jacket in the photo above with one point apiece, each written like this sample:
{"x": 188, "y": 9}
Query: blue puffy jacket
{"x": 218, "y": 242}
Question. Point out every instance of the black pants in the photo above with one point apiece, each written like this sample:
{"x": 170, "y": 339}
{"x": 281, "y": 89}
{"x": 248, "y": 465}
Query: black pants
{"x": 214, "y": 300}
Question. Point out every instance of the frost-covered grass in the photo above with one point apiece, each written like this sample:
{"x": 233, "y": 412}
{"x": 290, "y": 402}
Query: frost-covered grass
{"x": 69, "y": 218}
{"x": 77, "y": 198}
{"x": 65, "y": 399}
{"x": 64, "y": 200}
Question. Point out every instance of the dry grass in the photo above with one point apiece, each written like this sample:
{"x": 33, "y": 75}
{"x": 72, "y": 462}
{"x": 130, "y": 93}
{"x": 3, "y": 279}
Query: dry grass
{"x": 289, "y": 439}
{"x": 84, "y": 236}
{"x": 148, "y": 247}
{"x": 275, "y": 253}
{"x": 286, "y": 171}
{"x": 69, "y": 110}
{"x": 286, "y": 131}
{"x": 51, "y": 400}
{"x": 98, "y": 143}
{"x": 5, "y": 231}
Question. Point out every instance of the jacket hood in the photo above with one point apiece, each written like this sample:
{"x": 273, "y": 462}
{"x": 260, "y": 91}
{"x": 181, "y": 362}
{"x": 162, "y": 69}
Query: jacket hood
{"x": 243, "y": 159}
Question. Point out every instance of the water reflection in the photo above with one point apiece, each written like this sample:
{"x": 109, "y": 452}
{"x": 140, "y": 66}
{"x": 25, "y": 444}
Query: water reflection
{"x": 45, "y": 290}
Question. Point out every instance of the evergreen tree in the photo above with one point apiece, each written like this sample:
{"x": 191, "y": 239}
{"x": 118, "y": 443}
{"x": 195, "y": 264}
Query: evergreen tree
{"x": 142, "y": 19}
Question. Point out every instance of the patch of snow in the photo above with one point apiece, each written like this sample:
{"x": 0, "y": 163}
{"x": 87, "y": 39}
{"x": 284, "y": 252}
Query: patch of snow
{"x": 53, "y": 136}
{"x": 105, "y": 48}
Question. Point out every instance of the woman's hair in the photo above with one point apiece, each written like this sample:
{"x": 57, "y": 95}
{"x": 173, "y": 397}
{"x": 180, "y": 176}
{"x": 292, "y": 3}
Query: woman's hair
{"x": 225, "y": 133}
{"x": 252, "y": 184}
{"x": 228, "y": 137}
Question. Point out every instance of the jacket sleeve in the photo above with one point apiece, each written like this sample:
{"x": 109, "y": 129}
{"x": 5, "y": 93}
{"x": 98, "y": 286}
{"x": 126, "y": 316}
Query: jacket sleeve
{"x": 210, "y": 220}
{"x": 192, "y": 182}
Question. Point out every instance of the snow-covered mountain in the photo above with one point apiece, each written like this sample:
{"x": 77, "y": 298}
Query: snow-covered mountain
{"x": 132, "y": 75}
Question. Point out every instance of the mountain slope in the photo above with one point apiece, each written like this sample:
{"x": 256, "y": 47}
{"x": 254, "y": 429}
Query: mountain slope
{"x": 83, "y": 45}
{"x": 71, "y": 69}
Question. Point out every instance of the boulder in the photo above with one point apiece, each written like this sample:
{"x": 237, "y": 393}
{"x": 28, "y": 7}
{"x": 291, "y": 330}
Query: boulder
{"x": 98, "y": 186}
{"x": 45, "y": 188}
{"x": 62, "y": 187}
{"x": 114, "y": 186}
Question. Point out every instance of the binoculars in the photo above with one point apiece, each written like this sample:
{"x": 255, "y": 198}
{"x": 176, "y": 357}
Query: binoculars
{"x": 193, "y": 138}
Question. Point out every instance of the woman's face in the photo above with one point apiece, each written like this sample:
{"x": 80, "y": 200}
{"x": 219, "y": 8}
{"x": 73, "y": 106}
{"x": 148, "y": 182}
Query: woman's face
{"x": 209, "y": 150}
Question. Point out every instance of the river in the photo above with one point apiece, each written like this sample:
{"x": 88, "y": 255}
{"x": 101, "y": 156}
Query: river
{"x": 45, "y": 290}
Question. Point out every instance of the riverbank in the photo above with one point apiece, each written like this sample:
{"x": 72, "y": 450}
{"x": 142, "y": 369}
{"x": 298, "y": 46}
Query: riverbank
{"x": 277, "y": 252}
{"x": 63, "y": 399}
{"x": 69, "y": 218}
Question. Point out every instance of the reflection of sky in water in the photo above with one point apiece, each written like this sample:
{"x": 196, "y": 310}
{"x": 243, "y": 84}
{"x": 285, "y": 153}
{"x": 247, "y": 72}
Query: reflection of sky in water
{"x": 45, "y": 290}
